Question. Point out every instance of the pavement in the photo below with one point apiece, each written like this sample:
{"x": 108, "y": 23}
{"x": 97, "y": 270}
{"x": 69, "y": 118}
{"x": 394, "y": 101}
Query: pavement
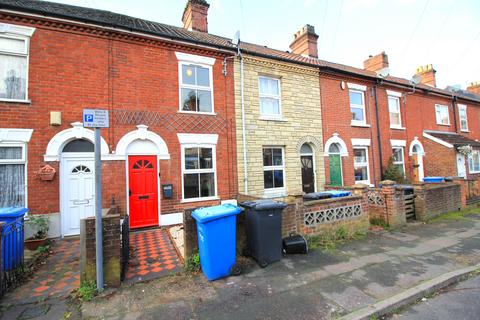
{"x": 319, "y": 285}
{"x": 46, "y": 294}
{"x": 459, "y": 302}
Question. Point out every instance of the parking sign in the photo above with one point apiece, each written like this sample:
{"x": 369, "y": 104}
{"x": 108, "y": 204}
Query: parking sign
{"x": 95, "y": 118}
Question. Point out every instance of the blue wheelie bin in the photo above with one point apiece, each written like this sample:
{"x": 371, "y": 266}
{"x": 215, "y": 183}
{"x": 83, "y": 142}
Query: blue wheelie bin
{"x": 216, "y": 228}
{"x": 12, "y": 244}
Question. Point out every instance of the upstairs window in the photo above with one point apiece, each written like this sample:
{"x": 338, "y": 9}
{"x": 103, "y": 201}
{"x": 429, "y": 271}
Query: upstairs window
{"x": 14, "y": 50}
{"x": 462, "y": 114}
{"x": 394, "y": 110}
{"x": 357, "y": 106}
{"x": 196, "y": 83}
{"x": 269, "y": 97}
{"x": 441, "y": 114}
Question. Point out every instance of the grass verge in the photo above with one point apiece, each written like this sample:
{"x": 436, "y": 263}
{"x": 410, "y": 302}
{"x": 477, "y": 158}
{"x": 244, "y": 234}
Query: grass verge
{"x": 329, "y": 240}
{"x": 456, "y": 215}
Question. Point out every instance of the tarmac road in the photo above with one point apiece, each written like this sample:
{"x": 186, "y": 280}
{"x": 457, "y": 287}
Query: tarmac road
{"x": 458, "y": 302}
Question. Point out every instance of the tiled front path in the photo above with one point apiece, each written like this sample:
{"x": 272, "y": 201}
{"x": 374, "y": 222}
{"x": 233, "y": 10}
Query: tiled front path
{"x": 154, "y": 256}
{"x": 56, "y": 278}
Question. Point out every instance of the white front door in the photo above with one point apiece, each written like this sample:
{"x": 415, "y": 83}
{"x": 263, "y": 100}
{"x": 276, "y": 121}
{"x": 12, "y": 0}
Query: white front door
{"x": 77, "y": 192}
{"x": 420, "y": 167}
{"x": 461, "y": 168}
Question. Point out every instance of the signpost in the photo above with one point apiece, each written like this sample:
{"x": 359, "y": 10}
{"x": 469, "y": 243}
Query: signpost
{"x": 96, "y": 118}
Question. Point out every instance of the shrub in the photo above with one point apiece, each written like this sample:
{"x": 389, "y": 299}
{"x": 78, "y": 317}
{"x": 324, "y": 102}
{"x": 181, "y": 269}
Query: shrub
{"x": 391, "y": 172}
{"x": 192, "y": 263}
{"x": 87, "y": 291}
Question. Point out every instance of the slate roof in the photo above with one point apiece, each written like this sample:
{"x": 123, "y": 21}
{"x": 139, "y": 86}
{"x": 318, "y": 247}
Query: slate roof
{"x": 453, "y": 138}
{"x": 124, "y": 22}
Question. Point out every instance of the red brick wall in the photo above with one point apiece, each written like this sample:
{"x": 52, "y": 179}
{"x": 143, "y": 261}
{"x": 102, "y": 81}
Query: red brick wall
{"x": 417, "y": 115}
{"x": 72, "y": 70}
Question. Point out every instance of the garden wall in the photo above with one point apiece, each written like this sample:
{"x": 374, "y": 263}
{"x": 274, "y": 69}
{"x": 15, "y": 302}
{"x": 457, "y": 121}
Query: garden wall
{"x": 434, "y": 199}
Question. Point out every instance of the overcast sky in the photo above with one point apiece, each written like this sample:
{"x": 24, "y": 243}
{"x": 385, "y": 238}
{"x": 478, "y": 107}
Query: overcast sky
{"x": 445, "y": 33}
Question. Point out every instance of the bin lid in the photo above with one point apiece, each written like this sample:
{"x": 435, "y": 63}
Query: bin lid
{"x": 12, "y": 212}
{"x": 263, "y": 204}
{"x": 206, "y": 214}
{"x": 317, "y": 195}
{"x": 338, "y": 193}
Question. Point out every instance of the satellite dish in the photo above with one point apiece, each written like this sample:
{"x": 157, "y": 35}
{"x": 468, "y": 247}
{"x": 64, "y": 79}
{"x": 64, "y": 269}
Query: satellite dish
{"x": 236, "y": 38}
{"x": 416, "y": 79}
{"x": 383, "y": 73}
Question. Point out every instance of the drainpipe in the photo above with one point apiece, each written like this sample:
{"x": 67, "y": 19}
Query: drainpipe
{"x": 454, "y": 105}
{"x": 244, "y": 131}
{"x": 378, "y": 129}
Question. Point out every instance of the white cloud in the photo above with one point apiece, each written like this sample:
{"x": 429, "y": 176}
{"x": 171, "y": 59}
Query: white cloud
{"x": 309, "y": 3}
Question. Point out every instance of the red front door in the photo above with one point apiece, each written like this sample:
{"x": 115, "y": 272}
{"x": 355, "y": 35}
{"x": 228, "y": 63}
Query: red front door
{"x": 143, "y": 191}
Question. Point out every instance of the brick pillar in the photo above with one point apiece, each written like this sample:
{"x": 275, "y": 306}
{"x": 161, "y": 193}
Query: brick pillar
{"x": 463, "y": 189}
{"x": 419, "y": 190}
{"x": 190, "y": 237}
{"x": 291, "y": 214}
{"x": 394, "y": 204}
{"x": 111, "y": 250}
{"x": 360, "y": 189}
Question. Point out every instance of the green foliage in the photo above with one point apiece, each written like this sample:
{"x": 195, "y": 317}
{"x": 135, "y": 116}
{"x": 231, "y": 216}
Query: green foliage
{"x": 43, "y": 249}
{"x": 391, "y": 172}
{"x": 330, "y": 239}
{"x": 39, "y": 223}
{"x": 456, "y": 215}
{"x": 87, "y": 291}
{"x": 379, "y": 222}
{"x": 192, "y": 263}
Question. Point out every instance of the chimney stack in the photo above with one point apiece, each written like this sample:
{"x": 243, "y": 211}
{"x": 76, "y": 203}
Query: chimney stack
{"x": 305, "y": 42}
{"x": 428, "y": 75}
{"x": 375, "y": 63}
{"x": 474, "y": 87}
{"x": 195, "y": 15}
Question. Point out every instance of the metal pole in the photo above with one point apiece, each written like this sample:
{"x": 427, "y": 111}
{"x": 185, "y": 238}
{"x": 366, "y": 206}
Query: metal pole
{"x": 98, "y": 210}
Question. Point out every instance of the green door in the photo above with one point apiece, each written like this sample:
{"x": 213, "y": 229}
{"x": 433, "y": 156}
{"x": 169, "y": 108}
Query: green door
{"x": 335, "y": 170}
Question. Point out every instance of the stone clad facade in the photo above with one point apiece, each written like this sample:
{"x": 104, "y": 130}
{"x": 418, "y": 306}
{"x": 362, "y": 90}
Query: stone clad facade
{"x": 300, "y": 122}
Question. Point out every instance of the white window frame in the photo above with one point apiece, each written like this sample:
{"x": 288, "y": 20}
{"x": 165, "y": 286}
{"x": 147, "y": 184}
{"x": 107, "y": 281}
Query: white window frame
{"x": 357, "y": 106}
{"x": 198, "y": 171}
{"x": 270, "y": 96}
{"x": 23, "y": 161}
{"x": 185, "y": 59}
{"x": 470, "y": 162}
{"x": 15, "y": 32}
{"x": 275, "y": 191}
{"x": 362, "y": 164}
{"x": 463, "y": 109}
{"x": 439, "y": 108}
{"x": 403, "y": 158}
{"x": 397, "y": 99}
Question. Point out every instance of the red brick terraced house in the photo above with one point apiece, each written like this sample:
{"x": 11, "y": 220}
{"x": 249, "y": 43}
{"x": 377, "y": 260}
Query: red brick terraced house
{"x": 169, "y": 91}
{"x": 370, "y": 117}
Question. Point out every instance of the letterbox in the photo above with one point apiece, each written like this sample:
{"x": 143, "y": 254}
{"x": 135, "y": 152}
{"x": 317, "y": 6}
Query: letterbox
{"x": 167, "y": 191}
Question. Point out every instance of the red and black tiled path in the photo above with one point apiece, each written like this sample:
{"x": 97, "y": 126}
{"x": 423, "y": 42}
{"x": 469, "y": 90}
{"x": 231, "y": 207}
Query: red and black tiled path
{"x": 154, "y": 256}
{"x": 56, "y": 278}
{"x": 60, "y": 275}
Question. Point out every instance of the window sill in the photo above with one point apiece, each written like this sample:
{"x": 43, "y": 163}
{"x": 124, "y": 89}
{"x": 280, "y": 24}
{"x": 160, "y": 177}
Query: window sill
{"x": 443, "y": 124}
{"x": 199, "y": 199}
{"x": 466, "y": 131}
{"x": 269, "y": 118}
{"x": 195, "y": 112}
{"x": 362, "y": 125}
{"x": 397, "y": 128}
{"x": 275, "y": 193}
{"x": 16, "y": 101}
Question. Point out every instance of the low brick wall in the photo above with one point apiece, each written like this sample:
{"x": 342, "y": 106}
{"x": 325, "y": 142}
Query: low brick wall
{"x": 320, "y": 216}
{"x": 434, "y": 199}
{"x": 111, "y": 249}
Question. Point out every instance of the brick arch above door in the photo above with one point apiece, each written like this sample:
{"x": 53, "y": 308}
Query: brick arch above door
{"x": 142, "y": 134}
{"x": 312, "y": 141}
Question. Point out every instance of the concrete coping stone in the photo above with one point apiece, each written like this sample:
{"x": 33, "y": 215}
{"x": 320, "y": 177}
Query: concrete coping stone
{"x": 332, "y": 200}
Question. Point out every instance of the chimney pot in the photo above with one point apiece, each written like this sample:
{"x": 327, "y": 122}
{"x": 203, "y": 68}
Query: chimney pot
{"x": 195, "y": 15}
{"x": 474, "y": 87}
{"x": 427, "y": 72}
{"x": 305, "y": 42}
{"x": 375, "y": 63}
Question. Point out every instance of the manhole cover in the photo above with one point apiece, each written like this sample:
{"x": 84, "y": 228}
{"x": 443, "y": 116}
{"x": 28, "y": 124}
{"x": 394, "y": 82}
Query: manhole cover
{"x": 34, "y": 311}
